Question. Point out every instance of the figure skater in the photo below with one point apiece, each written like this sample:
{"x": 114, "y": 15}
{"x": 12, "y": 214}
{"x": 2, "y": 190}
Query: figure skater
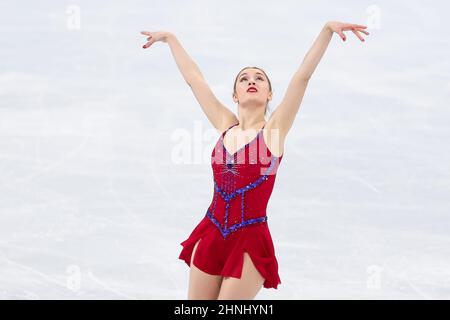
{"x": 230, "y": 251}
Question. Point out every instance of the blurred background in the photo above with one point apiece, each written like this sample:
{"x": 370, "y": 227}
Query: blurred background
{"x": 105, "y": 152}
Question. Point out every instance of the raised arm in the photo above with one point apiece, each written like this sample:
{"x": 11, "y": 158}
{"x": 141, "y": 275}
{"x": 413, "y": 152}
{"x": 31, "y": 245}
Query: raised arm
{"x": 219, "y": 115}
{"x": 283, "y": 116}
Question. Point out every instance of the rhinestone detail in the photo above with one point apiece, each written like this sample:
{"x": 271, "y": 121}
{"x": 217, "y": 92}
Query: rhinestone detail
{"x": 227, "y": 197}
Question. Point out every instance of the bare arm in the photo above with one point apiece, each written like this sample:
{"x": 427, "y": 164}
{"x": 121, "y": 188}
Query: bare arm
{"x": 219, "y": 115}
{"x": 284, "y": 114}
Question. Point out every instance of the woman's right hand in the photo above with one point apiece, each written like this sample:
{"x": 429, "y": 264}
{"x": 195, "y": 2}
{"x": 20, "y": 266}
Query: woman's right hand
{"x": 155, "y": 36}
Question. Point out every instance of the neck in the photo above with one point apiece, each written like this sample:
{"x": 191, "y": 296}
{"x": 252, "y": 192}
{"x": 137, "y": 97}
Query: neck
{"x": 250, "y": 120}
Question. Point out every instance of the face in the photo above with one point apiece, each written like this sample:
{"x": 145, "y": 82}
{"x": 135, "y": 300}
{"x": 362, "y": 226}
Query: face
{"x": 252, "y": 78}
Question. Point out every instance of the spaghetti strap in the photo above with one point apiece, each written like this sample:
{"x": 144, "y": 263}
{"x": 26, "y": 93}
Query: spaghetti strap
{"x": 223, "y": 133}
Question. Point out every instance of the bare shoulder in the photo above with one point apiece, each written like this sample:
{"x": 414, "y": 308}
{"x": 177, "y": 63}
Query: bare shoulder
{"x": 274, "y": 137}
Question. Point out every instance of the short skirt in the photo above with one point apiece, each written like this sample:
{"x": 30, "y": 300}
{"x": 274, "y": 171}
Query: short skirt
{"x": 217, "y": 255}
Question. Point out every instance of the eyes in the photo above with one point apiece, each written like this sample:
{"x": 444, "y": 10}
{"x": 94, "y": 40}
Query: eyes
{"x": 259, "y": 77}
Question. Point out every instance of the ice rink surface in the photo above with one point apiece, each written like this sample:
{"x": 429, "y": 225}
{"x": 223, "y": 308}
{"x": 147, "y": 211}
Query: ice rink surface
{"x": 104, "y": 150}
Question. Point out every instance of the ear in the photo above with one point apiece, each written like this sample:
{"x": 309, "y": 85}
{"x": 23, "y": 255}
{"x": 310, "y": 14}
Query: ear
{"x": 235, "y": 98}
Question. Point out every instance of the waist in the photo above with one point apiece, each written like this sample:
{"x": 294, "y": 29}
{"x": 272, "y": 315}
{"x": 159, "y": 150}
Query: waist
{"x": 226, "y": 228}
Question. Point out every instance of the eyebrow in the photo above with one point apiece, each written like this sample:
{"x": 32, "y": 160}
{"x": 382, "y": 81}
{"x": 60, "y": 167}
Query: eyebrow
{"x": 246, "y": 73}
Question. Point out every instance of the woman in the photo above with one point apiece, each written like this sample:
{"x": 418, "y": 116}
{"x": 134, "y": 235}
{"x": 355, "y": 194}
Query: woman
{"x": 230, "y": 252}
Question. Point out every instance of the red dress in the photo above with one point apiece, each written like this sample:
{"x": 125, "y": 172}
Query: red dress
{"x": 236, "y": 221}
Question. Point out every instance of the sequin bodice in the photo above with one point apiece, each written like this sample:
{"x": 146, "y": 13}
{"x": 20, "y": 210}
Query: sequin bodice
{"x": 243, "y": 183}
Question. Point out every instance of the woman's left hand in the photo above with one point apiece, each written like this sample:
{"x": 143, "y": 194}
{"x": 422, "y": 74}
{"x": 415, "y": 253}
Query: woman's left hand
{"x": 340, "y": 27}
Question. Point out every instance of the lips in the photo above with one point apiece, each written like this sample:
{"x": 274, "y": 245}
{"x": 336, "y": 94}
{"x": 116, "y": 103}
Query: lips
{"x": 252, "y": 89}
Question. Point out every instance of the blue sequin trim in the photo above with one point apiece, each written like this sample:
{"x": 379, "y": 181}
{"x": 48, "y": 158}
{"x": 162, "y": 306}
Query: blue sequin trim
{"x": 227, "y": 197}
{"x": 226, "y": 231}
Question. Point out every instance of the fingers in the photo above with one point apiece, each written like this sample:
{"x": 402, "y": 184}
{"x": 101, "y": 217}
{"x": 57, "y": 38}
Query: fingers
{"x": 355, "y": 28}
{"x": 341, "y": 34}
{"x": 149, "y": 39}
{"x": 358, "y": 35}
{"x": 148, "y": 44}
{"x": 358, "y": 27}
{"x": 363, "y": 31}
